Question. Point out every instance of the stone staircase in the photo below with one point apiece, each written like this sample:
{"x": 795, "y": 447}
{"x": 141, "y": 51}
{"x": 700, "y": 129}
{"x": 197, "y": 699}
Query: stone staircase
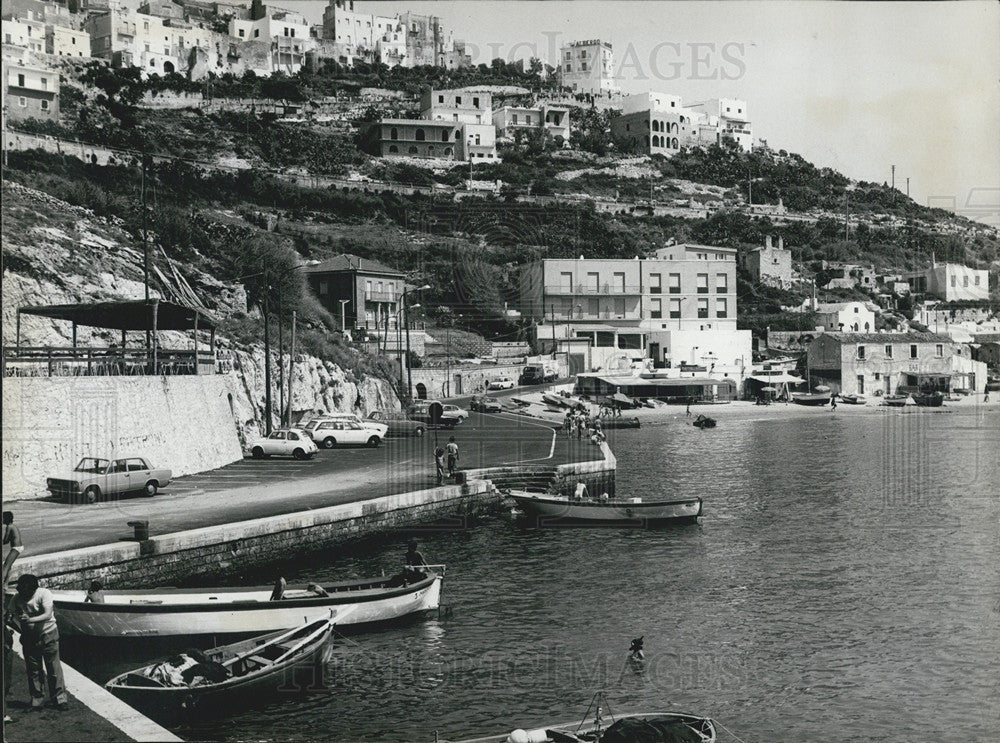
{"x": 524, "y": 477}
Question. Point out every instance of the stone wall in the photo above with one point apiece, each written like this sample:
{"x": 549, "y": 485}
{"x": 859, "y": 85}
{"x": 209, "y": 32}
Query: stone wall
{"x": 183, "y": 423}
{"x": 218, "y": 550}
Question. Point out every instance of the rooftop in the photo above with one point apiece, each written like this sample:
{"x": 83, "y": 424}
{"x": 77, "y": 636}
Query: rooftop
{"x": 911, "y": 337}
{"x": 348, "y": 262}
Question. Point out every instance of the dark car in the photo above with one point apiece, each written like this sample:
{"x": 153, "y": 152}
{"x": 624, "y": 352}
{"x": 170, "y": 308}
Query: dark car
{"x": 398, "y": 422}
{"x": 484, "y": 404}
{"x": 534, "y": 374}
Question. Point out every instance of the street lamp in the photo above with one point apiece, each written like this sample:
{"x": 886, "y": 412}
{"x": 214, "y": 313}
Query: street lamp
{"x": 343, "y": 317}
{"x": 406, "y": 320}
{"x": 399, "y": 340}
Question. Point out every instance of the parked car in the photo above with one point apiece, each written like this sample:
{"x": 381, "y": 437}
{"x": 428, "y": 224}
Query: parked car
{"x": 316, "y": 424}
{"x": 331, "y": 432}
{"x": 286, "y": 442}
{"x": 93, "y": 477}
{"x": 484, "y": 404}
{"x": 398, "y": 422}
{"x": 537, "y": 374}
{"x": 451, "y": 415}
{"x": 503, "y": 383}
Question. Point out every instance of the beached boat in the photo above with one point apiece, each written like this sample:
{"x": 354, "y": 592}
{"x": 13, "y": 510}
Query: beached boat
{"x": 811, "y": 398}
{"x": 895, "y": 401}
{"x": 226, "y": 678}
{"x": 852, "y": 399}
{"x": 609, "y": 422}
{"x": 630, "y": 510}
{"x": 703, "y": 421}
{"x": 929, "y": 399}
{"x": 238, "y": 612}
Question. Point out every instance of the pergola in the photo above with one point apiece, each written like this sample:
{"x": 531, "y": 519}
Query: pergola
{"x": 129, "y": 315}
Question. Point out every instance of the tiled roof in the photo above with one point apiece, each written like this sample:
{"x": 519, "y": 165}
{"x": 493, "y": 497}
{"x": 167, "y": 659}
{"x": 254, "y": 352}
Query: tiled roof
{"x": 348, "y": 262}
{"x": 911, "y": 337}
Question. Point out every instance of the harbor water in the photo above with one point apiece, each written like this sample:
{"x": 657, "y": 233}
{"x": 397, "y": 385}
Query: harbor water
{"x": 842, "y": 585}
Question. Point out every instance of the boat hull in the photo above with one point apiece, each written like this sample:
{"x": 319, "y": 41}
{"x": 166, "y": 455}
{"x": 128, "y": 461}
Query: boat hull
{"x": 170, "y": 704}
{"x": 935, "y": 400}
{"x": 559, "y": 508}
{"x": 808, "y": 398}
{"x": 702, "y": 725}
{"x": 225, "y": 614}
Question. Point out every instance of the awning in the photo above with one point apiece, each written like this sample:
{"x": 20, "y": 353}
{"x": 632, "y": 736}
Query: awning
{"x": 782, "y": 378}
{"x": 126, "y": 315}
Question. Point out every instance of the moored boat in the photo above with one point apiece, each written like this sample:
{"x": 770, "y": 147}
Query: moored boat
{"x": 811, "y": 398}
{"x": 929, "y": 399}
{"x": 609, "y": 422}
{"x": 852, "y": 399}
{"x": 703, "y": 421}
{"x": 238, "y": 612}
{"x": 613, "y": 510}
{"x": 224, "y": 678}
{"x": 895, "y": 401}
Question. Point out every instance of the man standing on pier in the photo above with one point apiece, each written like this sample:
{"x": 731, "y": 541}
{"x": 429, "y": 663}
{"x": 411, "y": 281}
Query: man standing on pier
{"x": 452, "y": 449}
{"x": 32, "y": 606}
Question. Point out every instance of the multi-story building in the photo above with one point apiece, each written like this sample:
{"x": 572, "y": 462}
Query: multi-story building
{"x": 551, "y": 118}
{"x": 364, "y": 35}
{"x": 857, "y": 317}
{"x": 891, "y": 363}
{"x": 588, "y": 67}
{"x": 655, "y": 124}
{"x": 459, "y": 105}
{"x": 954, "y": 282}
{"x": 163, "y": 9}
{"x": 428, "y": 42}
{"x": 454, "y": 124}
{"x": 63, "y": 41}
{"x": 30, "y": 92}
{"x": 359, "y": 292}
{"x": 728, "y": 119}
{"x": 49, "y": 13}
{"x": 421, "y": 138}
{"x": 769, "y": 264}
{"x": 287, "y": 32}
{"x": 26, "y": 33}
{"x": 676, "y": 308}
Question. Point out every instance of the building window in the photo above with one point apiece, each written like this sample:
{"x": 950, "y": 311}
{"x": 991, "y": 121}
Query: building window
{"x": 703, "y": 309}
{"x": 913, "y": 351}
{"x": 656, "y": 309}
{"x": 618, "y": 282}
{"x": 954, "y": 280}
{"x": 888, "y": 352}
{"x": 45, "y": 105}
{"x": 977, "y": 279}
{"x": 20, "y": 81}
{"x": 242, "y": 33}
{"x": 458, "y": 100}
{"x": 256, "y": 33}
{"x": 675, "y": 283}
{"x": 22, "y": 102}
{"x": 412, "y": 150}
{"x": 861, "y": 353}
{"x": 45, "y": 83}
{"x": 703, "y": 283}
{"x": 419, "y": 136}
{"x": 393, "y": 148}
{"x": 393, "y": 133}
{"x": 861, "y": 384}
{"x": 721, "y": 308}
{"x": 655, "y": 284}
{"x": 939, "y": 351}
{"x": 619, "y": 307}
{"x": 721, "y": 283}
{"x": 475, "y": 103}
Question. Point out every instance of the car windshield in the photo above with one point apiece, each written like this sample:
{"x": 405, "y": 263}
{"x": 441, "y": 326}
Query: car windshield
{"x": 94, "y": 466}
{"x": 311, "y": 425}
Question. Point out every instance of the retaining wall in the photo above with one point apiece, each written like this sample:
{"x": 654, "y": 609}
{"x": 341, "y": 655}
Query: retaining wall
{"x": 183, "y": 423}
{"x": 170, "y": 558}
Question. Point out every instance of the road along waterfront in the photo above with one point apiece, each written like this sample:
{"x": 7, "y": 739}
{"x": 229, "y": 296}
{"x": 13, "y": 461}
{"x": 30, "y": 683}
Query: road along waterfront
{"x": 842, "y": 585}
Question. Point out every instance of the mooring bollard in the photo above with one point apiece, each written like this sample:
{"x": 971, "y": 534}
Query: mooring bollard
{"x": 141, "y": 530}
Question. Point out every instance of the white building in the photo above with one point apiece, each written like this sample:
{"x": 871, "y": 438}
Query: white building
{"x": 954, "y": 282}
{"x": 553, "y": 119}
{"x": 588, "y": 67}
{"x": 727, "y": 118}
{"x": 26, "y": 33}
{"x": 287, "y": 32}
{"x": 845, "y": 317}
{"x": 62, "y": 41}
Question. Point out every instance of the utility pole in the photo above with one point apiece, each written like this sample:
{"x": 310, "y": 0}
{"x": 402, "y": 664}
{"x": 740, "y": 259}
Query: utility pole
{"x": 281, "y": 361}
{"x": 552, "y": 312}
{"x": 291, "y": 368}
{"x": 343, "y": 320}
{"x": 447, "y": 359}
{"x": 409, "y": 373}
{"x": 893, "y": 177}
{"x": 145, "y": 249}
{"x": 847, "y": 217}
{"x": 749, "y": 189}
{"x": 267, "y": 361}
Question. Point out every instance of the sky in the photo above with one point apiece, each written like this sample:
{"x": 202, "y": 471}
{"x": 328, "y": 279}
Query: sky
{"x": 856, "y": 86}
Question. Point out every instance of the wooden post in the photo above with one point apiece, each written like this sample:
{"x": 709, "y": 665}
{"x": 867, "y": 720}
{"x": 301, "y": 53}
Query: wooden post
{"x": 17, "y": 342}
{"x": 291, "y": 367}
{"x": 211, "y": 348}
{"x": 197, "y": 364}
{"x": 156, "y": 312}
{"x": 74, "y": 337}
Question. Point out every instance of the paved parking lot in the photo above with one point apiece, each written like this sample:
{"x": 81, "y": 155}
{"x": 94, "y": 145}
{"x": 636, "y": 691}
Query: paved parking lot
{"x": 258, "y": 488}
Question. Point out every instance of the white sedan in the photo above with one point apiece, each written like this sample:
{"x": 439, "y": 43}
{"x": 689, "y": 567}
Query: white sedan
{"x": 284, "y": 442}
{"x": 503, "y": 383}
{"x": 331, "y": 432}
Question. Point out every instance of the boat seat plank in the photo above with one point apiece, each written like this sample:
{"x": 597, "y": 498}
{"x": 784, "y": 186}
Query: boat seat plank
{"x": 259, "y": 660}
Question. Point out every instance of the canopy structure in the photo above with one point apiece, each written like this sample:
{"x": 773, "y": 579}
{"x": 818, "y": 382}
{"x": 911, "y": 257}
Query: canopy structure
{"x": 156, "y": 314}
{"x": 780, "y": 378}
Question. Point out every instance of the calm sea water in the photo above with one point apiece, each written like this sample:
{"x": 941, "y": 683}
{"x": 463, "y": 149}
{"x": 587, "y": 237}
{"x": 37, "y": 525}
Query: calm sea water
{"x": 843, "y": 585}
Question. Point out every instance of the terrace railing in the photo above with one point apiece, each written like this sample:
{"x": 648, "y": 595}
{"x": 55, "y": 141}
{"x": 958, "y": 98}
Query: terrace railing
{"x": 53, "y": 361}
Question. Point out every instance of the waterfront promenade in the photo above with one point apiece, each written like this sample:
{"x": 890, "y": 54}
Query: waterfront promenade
{"x": 252, "y": 489}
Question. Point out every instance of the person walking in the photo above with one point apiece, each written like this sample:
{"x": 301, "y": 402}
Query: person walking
{"x": 452, "y": 449}
{"x": 32, "y": 607}
{"x": 12, "y": 545}
{"x": 439, "y": 464}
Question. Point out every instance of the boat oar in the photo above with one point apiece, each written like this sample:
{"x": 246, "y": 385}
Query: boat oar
{"x": 306, "y": 641}
{"x": 256, "y": 648}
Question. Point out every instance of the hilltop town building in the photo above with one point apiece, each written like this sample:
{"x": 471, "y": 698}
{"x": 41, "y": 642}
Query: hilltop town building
{"x": 454, "y": 125}
{"x": 29, "y": 92}
{"x": 588, "y": 67}
{"x": 63, "y": 41}
{"x": 660, "y": 124}
{"x": 951, "y": 282}
{"x": 364, "y": 293}
{"x": 858, "y": 317}
{"x": 677, "y": 309}
{"x": 770, "y": 264}
{"x": 892, "y": 363}
{"x": 727, "y": 119}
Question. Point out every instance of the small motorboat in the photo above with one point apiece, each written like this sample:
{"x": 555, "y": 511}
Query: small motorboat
{"x": 811, "y": 398}
{"x": 236, "y": 613}
{"x": 228, "y": 677}
{"x": 609, "y": 422}
{"x": 649, "y": 727}
{"x": 852, "y": 399}
{"x": 560, "y": 508}
{"x": 703, "y": 421}
{"x": 929, "y": 399}
{"x": 895, "y": 401}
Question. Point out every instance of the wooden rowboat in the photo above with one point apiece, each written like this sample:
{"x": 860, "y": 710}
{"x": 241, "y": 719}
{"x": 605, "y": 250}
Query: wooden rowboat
{"x": 811, "y": 398}
{"x": 225, "y": 678}
{"x": 559, "y": 508}
{"x": 929, "y": 399}
{"x": 232, "y": 613}
{"x": 852, "y": 399}
{"x": 895, "y": 401}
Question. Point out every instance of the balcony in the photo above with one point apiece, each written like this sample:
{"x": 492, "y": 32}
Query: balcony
{"x": 603, "y": 290}
{"x": 380, "y": 296}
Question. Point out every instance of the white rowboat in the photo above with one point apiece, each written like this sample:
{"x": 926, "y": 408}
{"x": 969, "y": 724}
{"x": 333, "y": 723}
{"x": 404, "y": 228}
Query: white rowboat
{"x": 631, "y": 510}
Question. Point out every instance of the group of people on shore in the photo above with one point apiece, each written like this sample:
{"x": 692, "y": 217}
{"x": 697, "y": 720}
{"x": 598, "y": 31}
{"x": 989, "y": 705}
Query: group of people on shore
{"x": 580, "y": 423}
{"x": 446, "y": 457}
